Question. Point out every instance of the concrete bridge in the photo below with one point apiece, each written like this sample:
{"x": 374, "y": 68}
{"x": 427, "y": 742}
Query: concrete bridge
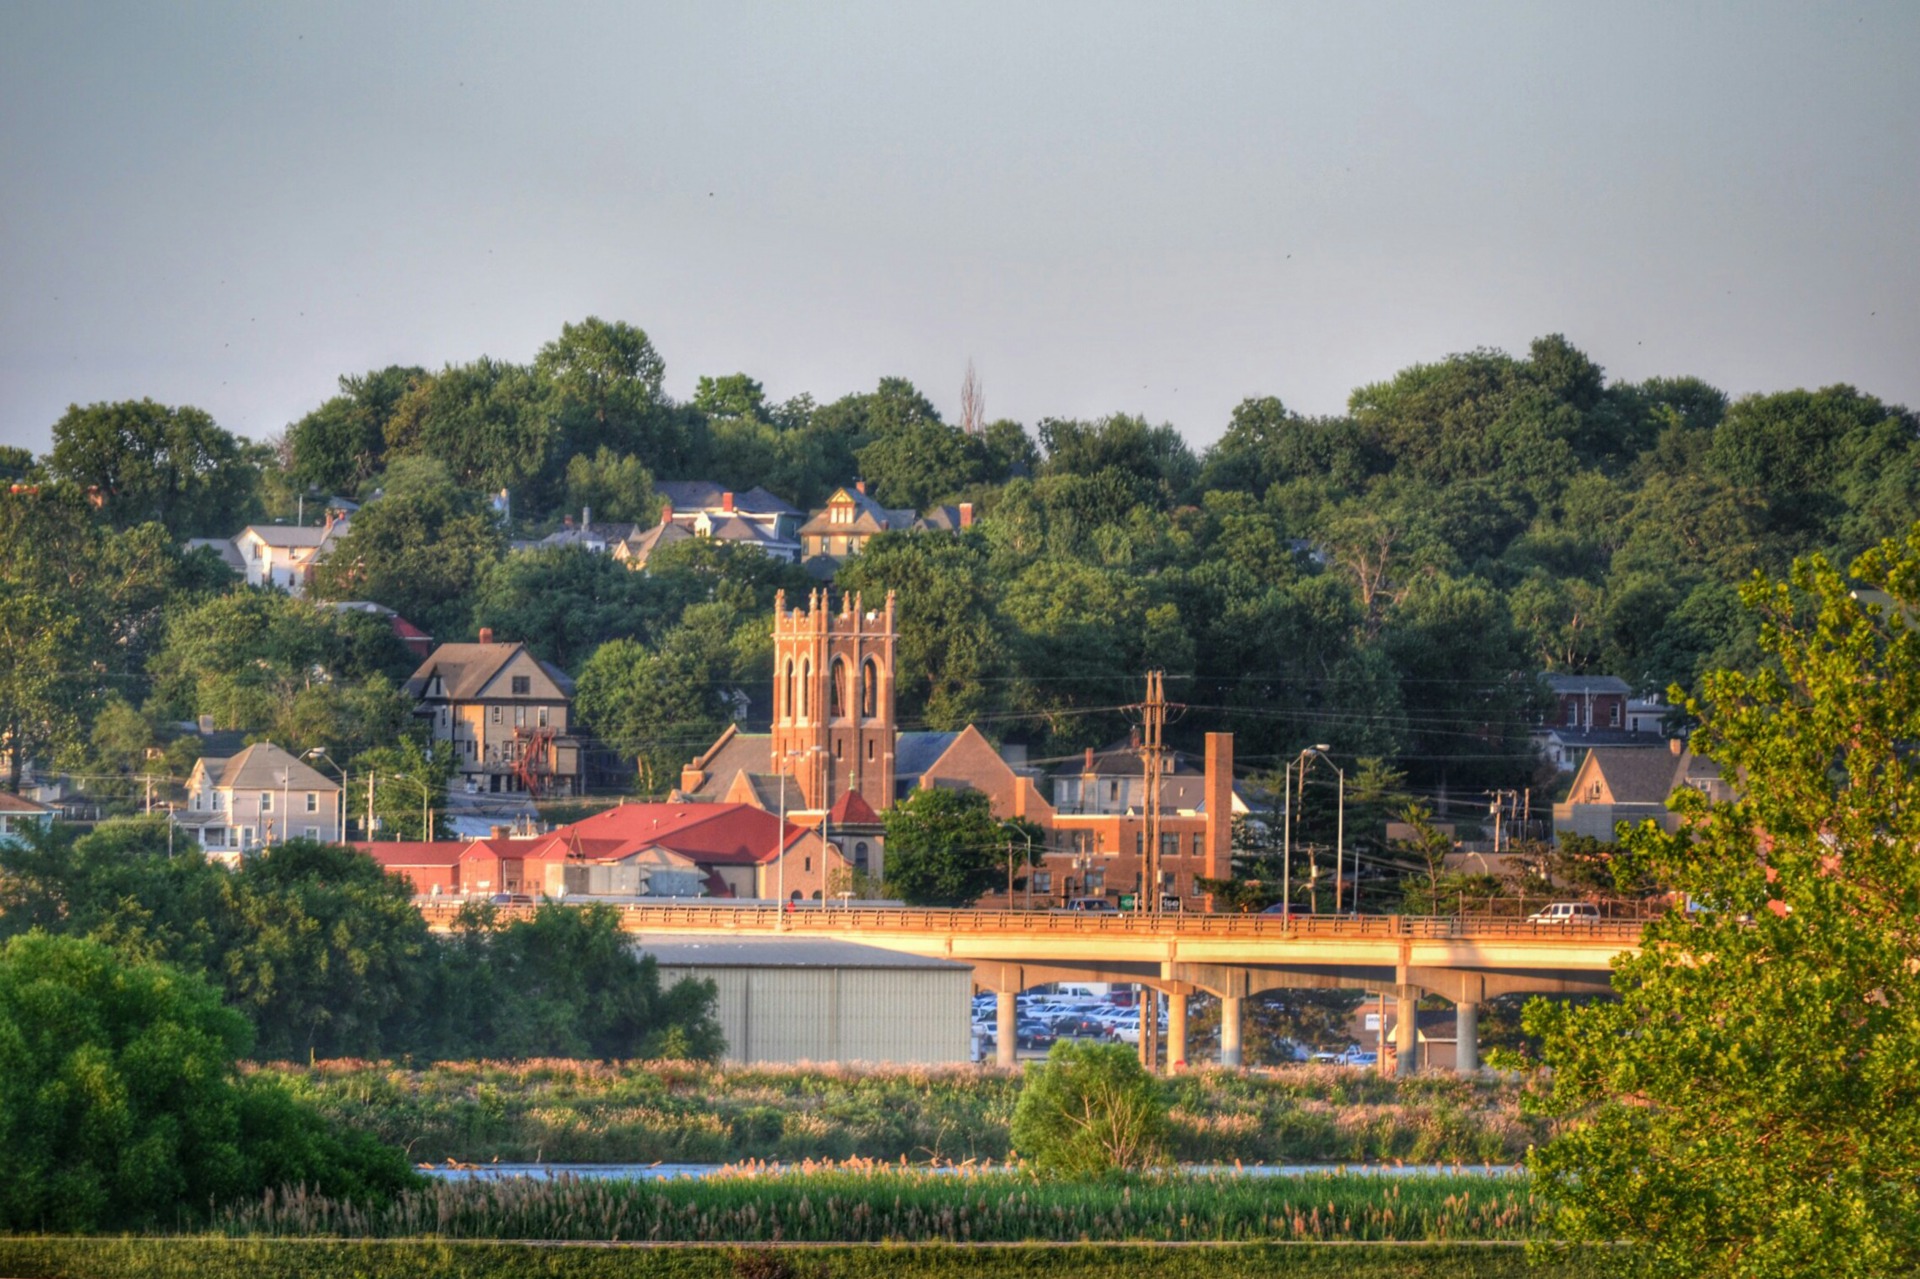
{"x": 1466, "y": 960}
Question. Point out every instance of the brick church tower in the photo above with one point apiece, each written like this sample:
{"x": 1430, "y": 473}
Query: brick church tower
{"x": 833, "y": 725}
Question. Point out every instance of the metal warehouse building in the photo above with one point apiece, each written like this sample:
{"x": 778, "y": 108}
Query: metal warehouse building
{"x": 803, "y": 999}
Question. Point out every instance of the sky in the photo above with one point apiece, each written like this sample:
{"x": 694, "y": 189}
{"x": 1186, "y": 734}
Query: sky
{"x": 1106, "y": 207}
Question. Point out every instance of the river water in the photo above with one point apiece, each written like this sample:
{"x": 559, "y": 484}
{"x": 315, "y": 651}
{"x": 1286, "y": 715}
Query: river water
{"x": 666, "y": 1172}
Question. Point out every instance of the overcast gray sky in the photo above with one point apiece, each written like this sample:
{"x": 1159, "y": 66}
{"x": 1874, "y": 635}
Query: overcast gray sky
{"x": 1146, "y": 208}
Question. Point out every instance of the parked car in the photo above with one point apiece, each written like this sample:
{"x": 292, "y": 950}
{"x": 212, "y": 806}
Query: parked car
{"x": 1081, "y": 1026}
{"x": 1091, "y": 903}
{"x": 512, "y": 899}
{"x": 1566, "y": 913}
{"x": 1034, "y": 1034}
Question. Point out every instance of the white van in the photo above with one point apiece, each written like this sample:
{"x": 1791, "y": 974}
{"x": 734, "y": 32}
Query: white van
{"x": 1567, "y": 913}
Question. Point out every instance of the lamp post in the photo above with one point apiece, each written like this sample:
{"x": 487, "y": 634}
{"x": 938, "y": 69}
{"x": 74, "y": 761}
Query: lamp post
{"x": 1340, "y": 846}
{"x": 340, "y": 807}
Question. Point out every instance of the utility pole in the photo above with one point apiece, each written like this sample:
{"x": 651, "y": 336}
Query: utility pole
{"x": 369, "y": 806}
{"x": 1153, "y": 751}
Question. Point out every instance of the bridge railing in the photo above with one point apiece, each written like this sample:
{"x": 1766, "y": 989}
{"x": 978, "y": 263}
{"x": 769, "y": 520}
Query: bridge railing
{"x": 816, "y": 918}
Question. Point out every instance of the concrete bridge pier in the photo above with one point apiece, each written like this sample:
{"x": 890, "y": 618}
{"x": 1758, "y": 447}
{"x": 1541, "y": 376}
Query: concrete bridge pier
{"x": 1176, "y": 1030}
{"x": 1006, "y": 1035}
{"x": 1230, "y": 1053}
{"x": 1466, "y": 1056}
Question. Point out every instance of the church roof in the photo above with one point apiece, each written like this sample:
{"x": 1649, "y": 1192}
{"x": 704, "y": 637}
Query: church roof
{"x": 915, "y": 753}
{"x": 851, "y": 810}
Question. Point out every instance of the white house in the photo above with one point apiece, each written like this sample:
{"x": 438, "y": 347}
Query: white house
{"x": 259, "y": 797}
{"x": 284, "y": 556}
{"x": 18, "y": 814}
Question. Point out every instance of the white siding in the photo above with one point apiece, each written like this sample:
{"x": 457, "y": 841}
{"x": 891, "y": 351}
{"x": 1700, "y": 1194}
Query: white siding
{"x": 829, "y": 1014}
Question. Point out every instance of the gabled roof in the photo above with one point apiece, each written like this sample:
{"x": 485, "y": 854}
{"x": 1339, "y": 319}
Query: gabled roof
{"x": 1634, "y": 776}
{"x": 1582, "y": 685}
{"x": 11, "y": 803}
{"x": 694, "y": 495}
{"x": 466, "y": 669}
{"x": 852, "y": 810}
{"x": 736, "y": 752}
{"x": 710, "y": 834}
{"x": 289, "y": 536}
{"x": 915, "y": 753}
{"x": 264, "y": 766}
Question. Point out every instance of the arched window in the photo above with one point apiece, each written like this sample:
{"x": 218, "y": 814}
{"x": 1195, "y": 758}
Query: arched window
{"x": 806, "y": 685}
{"x": 838, "y": 690}
{"x": 870, "y": 688}
{"x": 786, "y": 703}
{"x": 860, "y": 856}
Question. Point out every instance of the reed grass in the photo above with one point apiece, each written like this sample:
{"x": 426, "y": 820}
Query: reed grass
{"x": 875, "y": 1204}
{"x": 569, "y": 1111}
{"x": 215, "y": 1258}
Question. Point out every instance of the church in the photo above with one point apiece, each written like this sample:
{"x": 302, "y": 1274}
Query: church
{"x": 834, "y": 760}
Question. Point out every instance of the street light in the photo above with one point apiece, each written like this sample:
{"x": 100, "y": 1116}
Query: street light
{"x": 340, "y": 806}
{"x": 1340, "y": 845}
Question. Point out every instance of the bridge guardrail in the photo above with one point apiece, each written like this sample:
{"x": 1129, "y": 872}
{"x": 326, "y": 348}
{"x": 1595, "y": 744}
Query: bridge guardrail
{"x": 817, "y": 918}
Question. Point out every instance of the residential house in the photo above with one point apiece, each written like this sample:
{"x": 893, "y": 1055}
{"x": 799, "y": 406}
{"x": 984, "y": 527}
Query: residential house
{"x": 697, "y": 508}
{"x": 1591, "y": 711}
{"x": 259, "y": 797}
{"x": 1614, "y": 785}
{"x": 851, "y": 519}
{"x": 504, "y": 713}
{"x": 284, "y": 556}
{"x": 19, "y": 815}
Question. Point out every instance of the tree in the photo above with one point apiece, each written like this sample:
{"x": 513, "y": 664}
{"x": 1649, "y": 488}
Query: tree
{"x": 612, "y": 486}
{"x": 145, "y": 461}
{"x": 399, "y": 770}
{"x": 943, "y": 847}
{"x": 602, "y": 381}
{"x": 343, "y": 443}
{"x": 419, "y": 550}
{"x": 1089, "y": 1109}
{"x": 1747, "y": 1106}
{"x": 120, "y": 1105}
{"x": 483, "y": 421}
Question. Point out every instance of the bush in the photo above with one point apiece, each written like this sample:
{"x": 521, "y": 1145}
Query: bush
{"x": 119, "y": 1105}
{"x": 1090, "y": 1108}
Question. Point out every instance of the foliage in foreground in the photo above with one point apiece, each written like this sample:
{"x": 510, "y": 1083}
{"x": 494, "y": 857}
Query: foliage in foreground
{"x": 1089, "y": 1109}
{"x": 205, "y": 1258}
{"x": 1751, "y": 1105}
{"x": 878, "y": 1204}
{"x": 687, "y": 1112}
{"x": 119, "y": 1104}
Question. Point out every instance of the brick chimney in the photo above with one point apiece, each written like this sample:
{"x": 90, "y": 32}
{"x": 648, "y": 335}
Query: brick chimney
{"x": 1676, "y": 745}
{"x": 666, "y": 511}
{"x": 486, "y": 635}
{"x": 860, "y": 486}
{"x": 1219, "y": 791}
{"x": 966, "y": 515}
{"x": 726, "y": 503}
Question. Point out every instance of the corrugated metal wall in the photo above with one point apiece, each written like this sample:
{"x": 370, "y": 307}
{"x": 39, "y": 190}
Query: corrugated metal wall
{"x": 839, "y": 1014}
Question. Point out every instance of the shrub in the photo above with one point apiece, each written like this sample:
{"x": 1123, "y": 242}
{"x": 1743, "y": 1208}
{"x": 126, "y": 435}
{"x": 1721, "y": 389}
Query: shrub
{"x": 1090, "y": 1108}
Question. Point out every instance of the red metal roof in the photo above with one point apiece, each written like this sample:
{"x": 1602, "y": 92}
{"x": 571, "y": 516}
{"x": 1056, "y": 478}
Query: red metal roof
{"x": 713, "y": 834}
{"x": 413, "y": 852}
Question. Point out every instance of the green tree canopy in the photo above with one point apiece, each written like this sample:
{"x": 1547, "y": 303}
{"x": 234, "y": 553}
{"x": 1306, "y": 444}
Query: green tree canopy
{"x": 944, "y": 847}
{"x": 120, "y": 1106}
{"x": 342, "y": 444}
{"x": 1747, "y": 1107}
{"x": 146, "y": 461}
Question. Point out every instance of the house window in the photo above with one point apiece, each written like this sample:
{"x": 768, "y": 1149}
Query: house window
{"x": 1096, "y": 882}
{"x": 496, "y": 714}
{"x": 1613, "y": 715}
{"x": 1573, "y": 714}
{"x": 1199, "y": 844}
{"x": 266, "y": 801}
{"x": 443, "y": 719}
{"x": 313, "y": 802}
{"x": 1042, "y": 881}
{"x": 1139, "y": 843}
{"x": 860, "y": 856}
{"x": 313, "y": 832}
{"x": 1593, "y": 792}
{"x": 522, "y": 685}
{"x": 543, "y": 717}
{"x": 1169, "y": 845}
{"x": 519, "y": 717}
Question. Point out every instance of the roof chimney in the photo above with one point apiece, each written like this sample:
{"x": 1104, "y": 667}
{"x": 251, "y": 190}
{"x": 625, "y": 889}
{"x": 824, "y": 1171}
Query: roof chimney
{"x": 860, "y": 486}
{"x": 498, "y": 832}
{"x": 966, "y": 515}
{"x": 666, "y": 511}
{"x": 1676, "y": 745}
{"x": 726, "y": 502}
{"x": 486, "y": 635}
{"x": 1089, "y": 765}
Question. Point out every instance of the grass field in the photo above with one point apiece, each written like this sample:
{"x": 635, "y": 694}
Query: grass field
{"x": 213, "y": 1258}
{"x": 642, "y": 1112}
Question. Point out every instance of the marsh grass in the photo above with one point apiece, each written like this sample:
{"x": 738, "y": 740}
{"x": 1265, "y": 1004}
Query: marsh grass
{"x": 567, "y": 1111}
{"x": 870, "y": 1203}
